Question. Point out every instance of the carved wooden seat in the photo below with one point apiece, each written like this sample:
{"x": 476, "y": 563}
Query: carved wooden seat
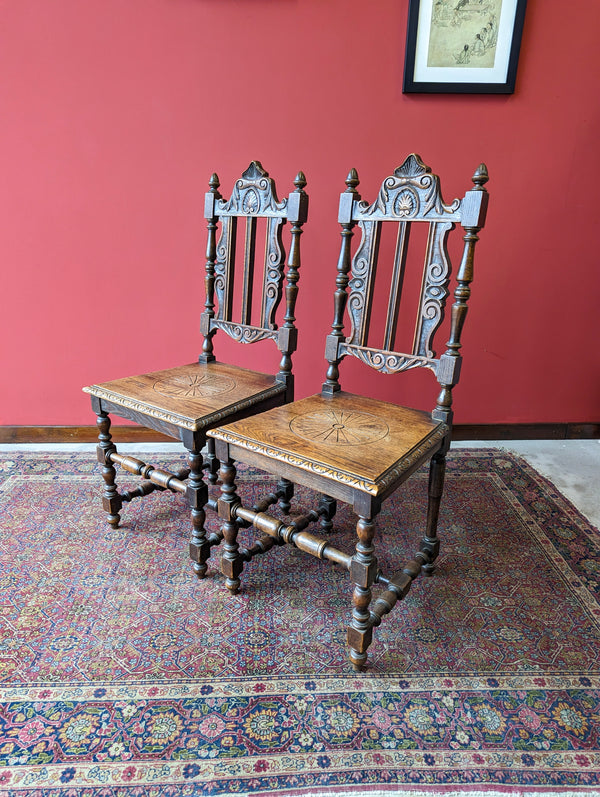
{"x": 185, "y": 401}
{"x": 350, "y": 447}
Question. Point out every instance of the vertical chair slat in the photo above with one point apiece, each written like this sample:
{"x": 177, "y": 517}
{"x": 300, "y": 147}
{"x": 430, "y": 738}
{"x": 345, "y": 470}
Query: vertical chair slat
{"x": 434, "y": 288}
{"x": 248, "y": 284}
{"x": 224, "y": 268}
{"x": 362, "y": 282}
{"x": 273, "y": 267}
{"x": 391, "y": 322}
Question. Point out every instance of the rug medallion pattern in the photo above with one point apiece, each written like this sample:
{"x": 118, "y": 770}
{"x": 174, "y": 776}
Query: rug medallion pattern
{"x": 120, "y": 674}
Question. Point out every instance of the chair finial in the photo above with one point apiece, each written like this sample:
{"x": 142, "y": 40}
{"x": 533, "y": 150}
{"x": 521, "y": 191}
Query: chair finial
{"x": 300, "y": 181}
{"x": 352, "y": 181}
{"x": 480, "y": 177}
{"x": 214, "y": 182}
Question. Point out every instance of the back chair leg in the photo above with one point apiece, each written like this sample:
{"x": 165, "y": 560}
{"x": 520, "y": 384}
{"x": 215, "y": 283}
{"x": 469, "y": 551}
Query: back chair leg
{"x": 363, "y": 570}
{"x": 231, "y": 560}
{"x": 111, "y": 500}
{"x": 197, "y": 495}
{"x": 285, "y": 491}
{"x": 430, "y": 544}
{"x": 212, "y": 461}
{"x": 327, "y": 510}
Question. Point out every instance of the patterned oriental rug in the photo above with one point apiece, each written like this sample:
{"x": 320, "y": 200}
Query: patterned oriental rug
{"x": 122, "y": 675}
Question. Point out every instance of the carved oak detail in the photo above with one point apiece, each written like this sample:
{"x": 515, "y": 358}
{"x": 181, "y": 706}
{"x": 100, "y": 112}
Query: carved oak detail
{"x": 194, "y": 386}
{"x": 182, "y": 421}
{"x": 411, "y": 192}
{"x": 355, "y": 448}
{"x": 333, "y": 427}
{"x": 243, "y": 333}
{"x": 253, "y": 194}
{"x": 387, "y": 362}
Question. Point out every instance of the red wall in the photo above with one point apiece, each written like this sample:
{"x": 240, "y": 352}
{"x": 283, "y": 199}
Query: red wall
{"x": 115, "y": 113}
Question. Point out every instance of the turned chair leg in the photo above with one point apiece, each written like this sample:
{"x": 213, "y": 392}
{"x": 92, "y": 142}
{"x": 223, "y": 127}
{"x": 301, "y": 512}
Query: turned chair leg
{"x": 363, "y": 570}
{"x": 111, "y": 500}
{"x": 285, "y": 491}
{"x": 327, "y": 510}
{"x": 212, "y": 461}
{"x": 430, "y": 544}
{"x": 197, "y": 495}
{"x": 231, "y": 561}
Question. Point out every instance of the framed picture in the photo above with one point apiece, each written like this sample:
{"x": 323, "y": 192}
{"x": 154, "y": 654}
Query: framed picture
{"x": 463, "y": 46}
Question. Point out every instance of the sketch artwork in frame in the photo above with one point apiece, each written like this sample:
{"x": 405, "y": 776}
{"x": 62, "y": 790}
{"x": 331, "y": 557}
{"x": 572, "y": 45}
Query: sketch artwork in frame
{"x": 463, "y": 46}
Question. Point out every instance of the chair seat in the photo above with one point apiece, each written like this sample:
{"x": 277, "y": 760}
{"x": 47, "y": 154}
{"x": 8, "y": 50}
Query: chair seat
{"x": 191, "y": 396}
{"x": 365, "y": 443}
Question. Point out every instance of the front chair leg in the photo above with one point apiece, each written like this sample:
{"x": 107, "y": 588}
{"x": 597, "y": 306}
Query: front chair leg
{"x": 197, "y": 495}
{"x": 430, "y": 544}
{"x": 231, "y": 561}
{"x": 363, "y": 570}
{"x": 111, "y": 500}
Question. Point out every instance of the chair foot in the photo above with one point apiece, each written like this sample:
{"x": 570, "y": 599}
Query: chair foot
{"x": 233, "y": 585}
{"x": 358, "y": 660}
{"x": 114, "y": 520}
{"x": 200, "y": 569}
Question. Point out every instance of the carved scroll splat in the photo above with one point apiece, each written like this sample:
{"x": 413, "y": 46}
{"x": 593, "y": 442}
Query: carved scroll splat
{"x": 244, "y": 333}
{"x": 362, "y": 280}
{"x": 387, "y": 362}
{"x": 411, "y": 192}
{"x": 274, "y": 265}
{"x": 434, "y": 290}
{"x": 253, "y": 194}
{"x": 223, "y": 272}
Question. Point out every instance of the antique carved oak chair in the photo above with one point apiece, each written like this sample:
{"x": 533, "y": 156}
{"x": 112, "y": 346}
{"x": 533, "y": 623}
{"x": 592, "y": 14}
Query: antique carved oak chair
{"x": 184, "y": 402}
{"x": 354, "y": 448}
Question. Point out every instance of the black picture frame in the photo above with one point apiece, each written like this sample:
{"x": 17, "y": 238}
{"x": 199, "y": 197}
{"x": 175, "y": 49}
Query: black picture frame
{"x": 465, "y": 76}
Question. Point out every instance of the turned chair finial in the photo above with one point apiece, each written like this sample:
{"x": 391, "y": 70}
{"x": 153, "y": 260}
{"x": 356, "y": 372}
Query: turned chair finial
{"x": 300, "y": 181}
{"x": 480, "y": 177}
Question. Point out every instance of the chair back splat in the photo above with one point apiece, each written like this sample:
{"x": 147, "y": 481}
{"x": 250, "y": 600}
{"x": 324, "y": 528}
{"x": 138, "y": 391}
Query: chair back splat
{"x": 187, "y": 400}
{"x": 356, "y": 448}
{"x": 411, "y": 195}
{"x": 254, "y": 196}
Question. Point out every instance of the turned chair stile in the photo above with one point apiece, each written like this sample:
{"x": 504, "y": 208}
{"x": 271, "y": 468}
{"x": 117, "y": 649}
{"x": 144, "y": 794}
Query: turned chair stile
{"x": 186, "y": 401}
{"x": 355, "y": 448}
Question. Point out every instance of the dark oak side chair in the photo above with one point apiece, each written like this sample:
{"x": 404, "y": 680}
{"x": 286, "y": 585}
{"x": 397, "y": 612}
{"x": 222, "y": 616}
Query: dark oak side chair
{"x": 354, "y": 448}
{"x": 184, "y": 402}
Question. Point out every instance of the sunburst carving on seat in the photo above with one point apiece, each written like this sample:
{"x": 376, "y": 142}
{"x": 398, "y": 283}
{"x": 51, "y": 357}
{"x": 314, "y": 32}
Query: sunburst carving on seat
{"x": 339, "y": 427}
{"x": 194, "y": 386}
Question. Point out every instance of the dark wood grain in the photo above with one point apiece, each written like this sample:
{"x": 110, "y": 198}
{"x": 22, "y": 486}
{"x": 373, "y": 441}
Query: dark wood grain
{"x": 355, "y": 448}
{"x": 185, "y": 401}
